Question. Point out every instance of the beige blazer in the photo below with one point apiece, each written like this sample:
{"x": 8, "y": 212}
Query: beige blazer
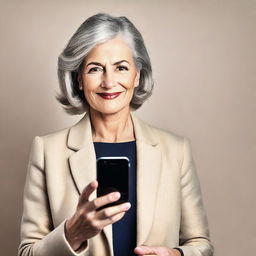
{"x": 170, "y": 210}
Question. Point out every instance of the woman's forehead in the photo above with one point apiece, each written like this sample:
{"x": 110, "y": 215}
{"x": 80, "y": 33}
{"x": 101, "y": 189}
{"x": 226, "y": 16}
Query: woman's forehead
{"x": 115, "y": 49}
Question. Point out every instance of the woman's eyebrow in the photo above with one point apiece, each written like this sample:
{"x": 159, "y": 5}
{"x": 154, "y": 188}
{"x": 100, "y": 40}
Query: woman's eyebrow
{"x": 99, "y": 64}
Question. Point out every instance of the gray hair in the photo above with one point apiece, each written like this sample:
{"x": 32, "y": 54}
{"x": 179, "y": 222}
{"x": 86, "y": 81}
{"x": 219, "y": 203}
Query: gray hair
{"x": 95, "y": 30}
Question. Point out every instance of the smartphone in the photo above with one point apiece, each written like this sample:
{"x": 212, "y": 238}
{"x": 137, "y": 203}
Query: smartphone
{"x": 113, "y": 175}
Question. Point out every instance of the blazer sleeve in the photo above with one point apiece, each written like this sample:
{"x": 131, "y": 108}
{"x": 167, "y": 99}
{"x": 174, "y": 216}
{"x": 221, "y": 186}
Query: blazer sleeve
{"x": 38, "y": 236}
{"x": 194, "y": 232}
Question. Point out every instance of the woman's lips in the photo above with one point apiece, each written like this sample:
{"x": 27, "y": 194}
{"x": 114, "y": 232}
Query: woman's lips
{"x": 109, "y": 96}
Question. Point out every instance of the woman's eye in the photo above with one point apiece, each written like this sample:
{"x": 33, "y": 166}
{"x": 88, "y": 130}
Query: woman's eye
{"x": 121, "y": 68}
{"x": 94, "y": 69}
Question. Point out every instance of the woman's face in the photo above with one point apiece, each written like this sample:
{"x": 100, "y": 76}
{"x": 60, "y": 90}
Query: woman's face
{"x": 109, "y": 76}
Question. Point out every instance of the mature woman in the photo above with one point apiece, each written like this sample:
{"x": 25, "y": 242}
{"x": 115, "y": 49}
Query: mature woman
{"x": 105, "y": 71}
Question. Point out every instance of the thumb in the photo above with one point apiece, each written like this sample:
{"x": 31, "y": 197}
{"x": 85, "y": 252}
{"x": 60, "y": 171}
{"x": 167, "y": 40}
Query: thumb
{"x": 84, "y": 197}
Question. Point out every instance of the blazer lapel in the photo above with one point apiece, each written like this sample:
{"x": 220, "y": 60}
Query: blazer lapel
{"x": 83, "y": 162}
{"x": 148, "y": 176}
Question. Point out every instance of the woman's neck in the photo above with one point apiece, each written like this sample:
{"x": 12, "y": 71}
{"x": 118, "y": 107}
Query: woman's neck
{"x": 116, "y": 127}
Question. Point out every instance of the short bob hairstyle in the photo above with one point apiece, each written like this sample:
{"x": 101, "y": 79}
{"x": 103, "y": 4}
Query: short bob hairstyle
{"x": 95, "y": 30}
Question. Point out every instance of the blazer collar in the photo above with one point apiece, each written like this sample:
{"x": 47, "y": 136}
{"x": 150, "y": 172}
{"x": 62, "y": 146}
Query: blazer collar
{"x": 80, "y": 135}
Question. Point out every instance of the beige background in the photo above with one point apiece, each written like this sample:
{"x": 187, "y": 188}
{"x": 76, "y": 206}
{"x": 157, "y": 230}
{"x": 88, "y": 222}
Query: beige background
{"x": 204, "y": 59}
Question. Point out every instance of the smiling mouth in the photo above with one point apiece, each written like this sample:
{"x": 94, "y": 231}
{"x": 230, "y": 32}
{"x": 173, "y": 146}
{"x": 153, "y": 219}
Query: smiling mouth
{"x": 109, "y": 96}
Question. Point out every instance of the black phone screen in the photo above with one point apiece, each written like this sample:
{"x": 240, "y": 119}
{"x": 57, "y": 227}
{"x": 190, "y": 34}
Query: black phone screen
{"x": 113, "y": 175}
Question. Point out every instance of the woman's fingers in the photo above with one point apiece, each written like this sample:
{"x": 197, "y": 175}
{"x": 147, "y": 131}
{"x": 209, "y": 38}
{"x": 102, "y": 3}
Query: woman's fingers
{"x": 84, "y": 197}
{"x": 104, "y": 216}
{"x": 112, "y": 219}
{"x": 103, "y": 200}
{"x": 112, "y": 210}
{"x": 144, "y": 250}
{"x": 111, "y": 214}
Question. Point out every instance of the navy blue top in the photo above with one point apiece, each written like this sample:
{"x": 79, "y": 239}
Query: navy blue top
{"x": 124, "y": 230}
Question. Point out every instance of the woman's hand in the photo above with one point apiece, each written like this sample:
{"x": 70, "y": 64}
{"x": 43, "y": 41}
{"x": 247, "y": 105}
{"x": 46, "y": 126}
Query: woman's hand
{"x": 156, "y": 250}
{"x": 87, "y": 222}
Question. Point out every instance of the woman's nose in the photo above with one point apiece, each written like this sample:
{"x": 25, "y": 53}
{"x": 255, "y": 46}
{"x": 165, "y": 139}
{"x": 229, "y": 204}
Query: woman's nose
{"x": 108, "y": 80}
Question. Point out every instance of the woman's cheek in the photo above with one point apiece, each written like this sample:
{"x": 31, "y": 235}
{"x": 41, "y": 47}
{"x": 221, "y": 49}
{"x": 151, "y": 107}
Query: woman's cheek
{"x": 89, "y": 95}
{"x": 128, "y": 83}
{"x": 92, "y": 81}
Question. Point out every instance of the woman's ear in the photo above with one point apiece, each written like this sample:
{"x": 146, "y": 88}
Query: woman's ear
{"x": 137, "y": 79}
{"x": 80, "y": 82}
